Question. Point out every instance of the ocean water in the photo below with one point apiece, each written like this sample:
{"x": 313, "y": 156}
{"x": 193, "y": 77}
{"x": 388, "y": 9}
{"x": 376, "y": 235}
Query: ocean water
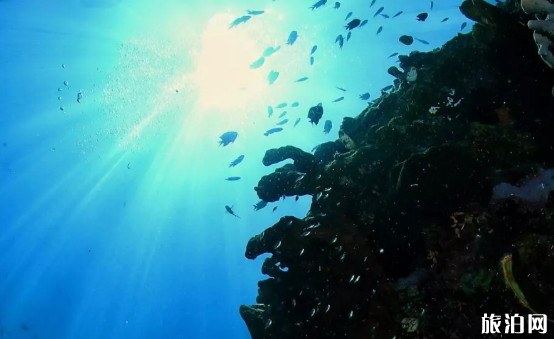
{"x": 112, "y": 209}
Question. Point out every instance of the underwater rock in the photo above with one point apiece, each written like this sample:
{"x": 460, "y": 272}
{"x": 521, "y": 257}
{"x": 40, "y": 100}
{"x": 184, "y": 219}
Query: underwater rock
{"x": 285, "y": 181}
{"x": 253, "y": 316}
{"x": 303, "y": 161}
{"x": 400, "y": 233}
{"x": 395, "y": 72}
{"x": 325, "y": 153}
{"x": 288, "y": 180}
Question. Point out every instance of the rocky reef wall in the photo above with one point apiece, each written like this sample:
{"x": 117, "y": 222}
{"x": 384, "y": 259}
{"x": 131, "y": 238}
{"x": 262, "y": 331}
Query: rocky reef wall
{"x": 425, "y": 210}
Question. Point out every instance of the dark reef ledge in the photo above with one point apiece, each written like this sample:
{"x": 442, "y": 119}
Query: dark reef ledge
{"x": 415, "y": 207}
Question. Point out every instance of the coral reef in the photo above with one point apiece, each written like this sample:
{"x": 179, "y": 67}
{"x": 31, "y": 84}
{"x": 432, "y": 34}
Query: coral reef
{"x": 414, "y": 209}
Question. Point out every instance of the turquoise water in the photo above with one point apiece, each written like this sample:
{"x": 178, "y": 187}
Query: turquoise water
{"x": 112, "y": 221}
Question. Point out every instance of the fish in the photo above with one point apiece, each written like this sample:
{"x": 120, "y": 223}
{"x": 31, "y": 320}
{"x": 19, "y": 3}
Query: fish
{"x": 295, "y": 104}
{"x": 340, "y": 40}
{"x": 273, "y": 130}
{"x": 314, "y": 48}
{"x": 249, "y": 12}
{"x": 340, "y": 88}
{"x": 239, "y": 21}
{"x": 386, "y": 16}
{"x": 282, "y": 122}
{"x": 233, "y": 178}
{"x": 463, "y": 26}
{"x": 365, "y": 96}
{"x": 272, "y": 77}
{"x": 380, "y": 29}
{"x": 378, "y": 11}
{"x": 432, "y": 4}
{"x": 259, "y": 205}
{"x": 328, "y": 126}
{"x": 236, "y": 161}
{"x": 227, "y": 138}
{"x": 297, "y": 197}
{"x": 315, "y": 113}
{"x": 311, "y": 60}
{"x": 338, "y": 99}
{"x": 363, "y": 23}
{"x": 444, "y": 20}
{"x": 292, "y": 38}
{"x": 337, "y": 5}
{"x": 348, "y": 35}
{"x": 422, "y": 41}
{"x": 281, "y": 105}
{"x": 318, "y": 4}
{"x": 352, "y": 24}
{"x": 129, "y": 166}
{"x": 269, "y": 111}
{"x": 275, "y": 208}
{"x": 397, "y": 14}
{"x": 348, "y": 16}
{"x": 386, "y": 88}
{"x": 296, "y": 122}
{"x": 270, "y": 51}
{"x": 372, "y": 3}
{"x": 406, "y": 40}
{"x": 282, "y": 115}
{"x": 230, "y": 211}
{"x": 301, "y": 79}
{"x": 393, "y": 54}
{"x": 422, "y": 16}
{"x": 258, "y": 63}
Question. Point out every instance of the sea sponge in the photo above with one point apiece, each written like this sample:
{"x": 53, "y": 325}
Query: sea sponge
{"x": 537, "y": 7}
{"x": 543, "y": 29}
{"x": 534, "y": 190}
{"x": 545, "y": 46}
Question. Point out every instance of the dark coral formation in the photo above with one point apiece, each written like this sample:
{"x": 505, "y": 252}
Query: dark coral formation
{"x": 402, "y": 239}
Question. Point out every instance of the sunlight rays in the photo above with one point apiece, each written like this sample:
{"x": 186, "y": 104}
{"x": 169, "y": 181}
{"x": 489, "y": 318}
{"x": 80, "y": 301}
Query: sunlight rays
{"x": 223, "y": 76}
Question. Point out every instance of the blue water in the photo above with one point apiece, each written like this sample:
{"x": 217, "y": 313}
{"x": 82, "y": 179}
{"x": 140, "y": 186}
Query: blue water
{"x": 112, "y": 219}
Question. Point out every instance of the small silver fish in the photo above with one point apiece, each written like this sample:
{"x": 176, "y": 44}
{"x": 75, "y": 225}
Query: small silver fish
{"x": 397, "y": 14}
{"x": 340, "y": 41}
{"x": 258, "y": 63}
{"x": 348, "y": 16}
{"x": 249, "y": 12}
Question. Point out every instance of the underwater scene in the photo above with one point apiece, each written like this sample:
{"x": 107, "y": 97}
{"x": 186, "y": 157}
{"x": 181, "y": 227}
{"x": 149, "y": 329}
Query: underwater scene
{"x": 276, "y": 169}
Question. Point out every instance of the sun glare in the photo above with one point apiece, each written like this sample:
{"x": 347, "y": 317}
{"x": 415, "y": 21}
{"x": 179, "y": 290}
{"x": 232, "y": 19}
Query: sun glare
{"x": 223, "y": 77}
